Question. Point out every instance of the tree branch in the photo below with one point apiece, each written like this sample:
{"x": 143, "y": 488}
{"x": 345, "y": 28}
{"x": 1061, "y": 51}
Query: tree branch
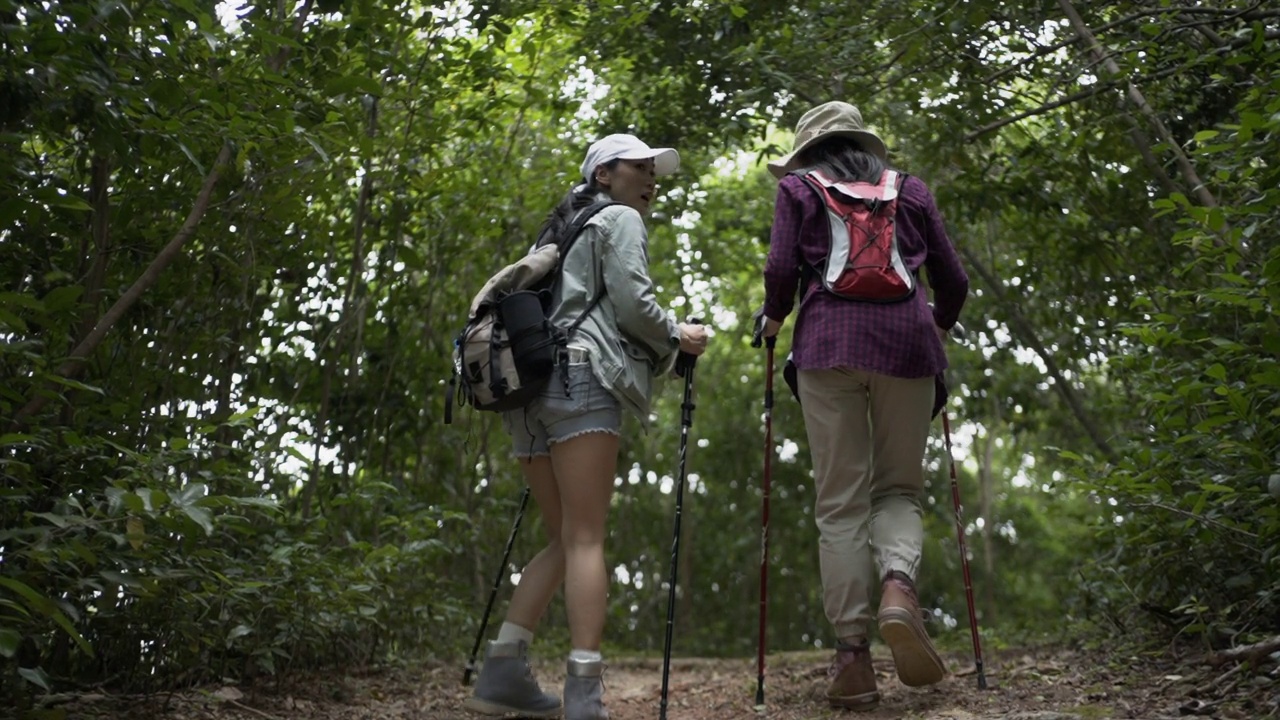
{"x": 1028, "y": 336}
{"x": 1256, "y": 651}
{"x": 1135, "y": 96}
{"x": 1224, "y": 15}
{"x": 1075, "y": 97}
{"x": 1198, "y": 518}
{"x": 75, "y": 361}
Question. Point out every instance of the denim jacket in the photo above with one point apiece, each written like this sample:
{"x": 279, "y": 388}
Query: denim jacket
{"x": 629, "y": 337}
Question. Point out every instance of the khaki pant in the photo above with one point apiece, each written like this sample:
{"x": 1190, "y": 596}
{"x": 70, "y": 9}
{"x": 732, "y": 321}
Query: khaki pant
{"x": 867, "y": 434}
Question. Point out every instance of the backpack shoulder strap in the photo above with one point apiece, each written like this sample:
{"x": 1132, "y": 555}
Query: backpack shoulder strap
{"x": 567, "y": 240}
{"x": 580, "y": 221}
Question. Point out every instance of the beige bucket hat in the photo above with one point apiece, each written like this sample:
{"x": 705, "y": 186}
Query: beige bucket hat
{"x": 834, "y": 118}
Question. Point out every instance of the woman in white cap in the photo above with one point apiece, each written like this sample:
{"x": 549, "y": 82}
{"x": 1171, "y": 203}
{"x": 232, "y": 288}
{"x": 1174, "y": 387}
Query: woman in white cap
{"x": 568, "y": 444}
{"x": 866, "y": 380}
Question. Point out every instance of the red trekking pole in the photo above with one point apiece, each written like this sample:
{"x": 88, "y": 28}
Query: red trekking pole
{"x": 958, "y": 332}
{"x": 764, "y": 514}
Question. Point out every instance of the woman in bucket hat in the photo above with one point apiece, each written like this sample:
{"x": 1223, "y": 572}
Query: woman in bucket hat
{"x": 866, "y": 383}
{"x": 567, "y": 444}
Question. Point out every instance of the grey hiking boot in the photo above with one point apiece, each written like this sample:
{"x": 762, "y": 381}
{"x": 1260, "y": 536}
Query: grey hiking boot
{"x": 584, "y": 691}
{"x": 506, "y": 686}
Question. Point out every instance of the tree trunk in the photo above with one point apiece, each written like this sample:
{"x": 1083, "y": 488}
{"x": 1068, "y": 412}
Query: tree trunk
{"x": 322, "y": 421}
{"x": 100, "y": 232}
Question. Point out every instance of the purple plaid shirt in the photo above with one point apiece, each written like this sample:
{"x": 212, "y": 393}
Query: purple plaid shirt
{"x": 894, "y": 339}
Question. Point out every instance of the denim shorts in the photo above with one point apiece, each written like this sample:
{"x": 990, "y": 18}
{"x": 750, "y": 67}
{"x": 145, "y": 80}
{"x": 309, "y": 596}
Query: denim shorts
{"x": 554, "y": 417}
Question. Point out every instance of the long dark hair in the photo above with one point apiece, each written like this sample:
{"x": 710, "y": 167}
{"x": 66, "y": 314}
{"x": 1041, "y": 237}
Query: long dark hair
{"x": 580, "y": 196}
{"x": 842, "y": 158}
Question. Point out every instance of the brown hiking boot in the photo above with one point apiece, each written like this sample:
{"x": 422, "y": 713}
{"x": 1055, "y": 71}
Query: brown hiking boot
{"x": 853, "y": 681}
{"x": 902, "y": 629}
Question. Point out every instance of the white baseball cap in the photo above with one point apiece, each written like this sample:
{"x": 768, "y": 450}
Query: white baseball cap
{"x": 628, "y": 147}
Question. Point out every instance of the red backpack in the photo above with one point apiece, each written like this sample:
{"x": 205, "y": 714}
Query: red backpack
{"x": 864, "y": 262}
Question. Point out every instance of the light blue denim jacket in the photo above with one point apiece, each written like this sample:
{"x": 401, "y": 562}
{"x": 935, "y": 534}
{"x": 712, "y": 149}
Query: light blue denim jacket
{"x": 630, "y": 338}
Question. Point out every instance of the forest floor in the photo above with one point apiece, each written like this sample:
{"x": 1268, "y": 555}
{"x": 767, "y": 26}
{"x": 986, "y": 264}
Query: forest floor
{"x": 1039, "y": 684}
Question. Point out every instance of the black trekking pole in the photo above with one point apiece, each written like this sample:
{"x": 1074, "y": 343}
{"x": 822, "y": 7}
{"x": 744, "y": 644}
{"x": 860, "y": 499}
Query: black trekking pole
{"x": 684, "y": 367}
{"x": 497, "y": 582}
{"x": 958, "y": 332}
{"x": 764, "y": 514}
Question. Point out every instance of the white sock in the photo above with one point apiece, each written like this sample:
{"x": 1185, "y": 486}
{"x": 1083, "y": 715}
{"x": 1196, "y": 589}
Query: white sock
{"x": 511, "y": 633}
{"x": 585, "y": 656}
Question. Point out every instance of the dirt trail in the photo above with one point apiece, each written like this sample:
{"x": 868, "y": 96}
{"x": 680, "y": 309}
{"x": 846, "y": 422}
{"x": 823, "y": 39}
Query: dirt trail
{"x": 1023, "y": 685}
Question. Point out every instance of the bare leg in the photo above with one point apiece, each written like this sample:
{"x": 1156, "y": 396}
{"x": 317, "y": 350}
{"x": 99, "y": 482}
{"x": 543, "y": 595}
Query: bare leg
{"x": 584, "y": 471}
{"x": 544, "y": 573}
{"x": 506, "y": 686}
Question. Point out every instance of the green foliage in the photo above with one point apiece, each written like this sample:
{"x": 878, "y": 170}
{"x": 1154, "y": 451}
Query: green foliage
{"x": 1196, "y": 536}
{"x": 234, "y": 252}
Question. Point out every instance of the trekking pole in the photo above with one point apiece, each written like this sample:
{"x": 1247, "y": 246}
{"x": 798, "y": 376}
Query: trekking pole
{"x": 684, "y": 367}
{"x": 764, "y": 514}
{"x": 497, "y": 582}
{"x": 964, "y": 557}
{"x": 959, "y": 333}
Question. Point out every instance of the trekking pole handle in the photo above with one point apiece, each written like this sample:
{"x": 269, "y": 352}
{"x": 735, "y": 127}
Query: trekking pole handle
{"x": 685, "y": 361}
{"x": 757, "y": 335}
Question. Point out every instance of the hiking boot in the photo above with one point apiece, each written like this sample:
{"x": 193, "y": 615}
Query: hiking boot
{"x": 853, "y": 680}
{"x": 584, "y": 691}
{"x": 902, "y": 628}
{"x": 506, "y": 686}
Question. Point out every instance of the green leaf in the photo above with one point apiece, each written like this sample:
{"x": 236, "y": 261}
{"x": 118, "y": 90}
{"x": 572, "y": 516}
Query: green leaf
{"x": 10, "y": 639}
{"x": 1217, "y": 371}
{"x": 63, "y": 298}
{"x": 16, "y": 300}
{"x": 15, "y": 607}
{"x": 240, "y": 417}
{"x": 120, "y": 578}
{"x": 347, "y": 84}
{"x": 35, "y": 676}
{"x": 13, "y": 321}
{"x": 17, "y": 439}
{"x": 134, "y": 502}
{"x": 34, "y": 599}
{"x": 11, "y": 210}
{"x": 115, "y": 499}
{"x": 200, "y": 516}
{"x": 75, "y": 384}
{"x": 190, "y": 494}
{"x": 315, "y": 145}
{"x": 1213, "y": 422}
{"x": 68, "y": 202}
{"x": 191, "y": 156}
{"x": 55, "y": 519}
{"x": 45, "y": 606}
